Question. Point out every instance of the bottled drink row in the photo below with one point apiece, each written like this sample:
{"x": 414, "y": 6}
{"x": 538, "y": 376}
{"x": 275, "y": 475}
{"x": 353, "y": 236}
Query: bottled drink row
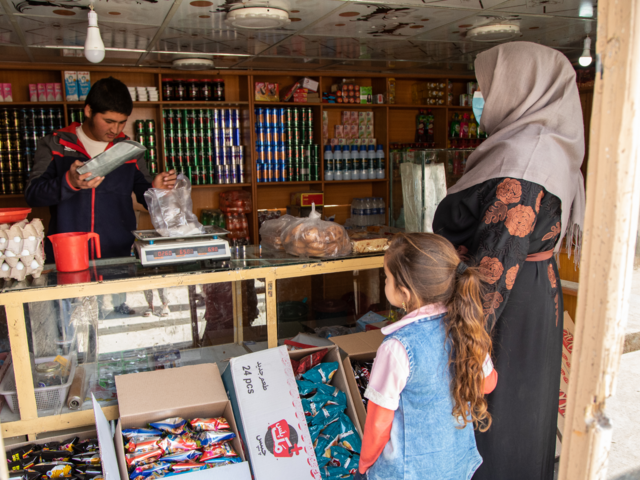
{"x": 194, "y": 90}
{"x": 204, "y": 144}
{"x": 20, "y": 130}
{"x": 284, "y": 145}
{"x": 350, "y": 162}
{"x": 368, "y": 211}
{"x": 145, "y": 133}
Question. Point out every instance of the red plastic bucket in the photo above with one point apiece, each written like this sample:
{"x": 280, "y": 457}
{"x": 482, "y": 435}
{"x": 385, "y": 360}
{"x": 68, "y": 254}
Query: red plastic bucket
{"x": 72, "y": 251}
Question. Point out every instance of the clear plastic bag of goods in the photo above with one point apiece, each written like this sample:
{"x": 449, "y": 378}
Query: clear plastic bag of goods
{"x": 271, "y": 231}
{"x": 235, "y": 201}
{"x": 313, "y": 237}
{"x": 171, "y": 210}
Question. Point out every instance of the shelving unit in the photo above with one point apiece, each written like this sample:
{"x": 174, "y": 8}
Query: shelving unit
{"x": 393, "y": 123}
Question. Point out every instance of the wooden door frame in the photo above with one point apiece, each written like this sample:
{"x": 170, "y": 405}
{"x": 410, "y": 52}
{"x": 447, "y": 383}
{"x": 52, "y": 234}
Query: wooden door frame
{"x": 611, "y": 223}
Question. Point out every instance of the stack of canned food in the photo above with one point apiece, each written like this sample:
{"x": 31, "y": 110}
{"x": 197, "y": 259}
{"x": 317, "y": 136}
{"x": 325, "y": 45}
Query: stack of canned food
{"x": 20, "y": 130}
{"x": 284, "y": 144}
{"x": 204, "y": 144}
{"x": 145, "y": 133}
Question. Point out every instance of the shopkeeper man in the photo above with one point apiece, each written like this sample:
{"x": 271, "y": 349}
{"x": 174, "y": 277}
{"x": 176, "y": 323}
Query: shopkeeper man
{"x": 103, "y": 204}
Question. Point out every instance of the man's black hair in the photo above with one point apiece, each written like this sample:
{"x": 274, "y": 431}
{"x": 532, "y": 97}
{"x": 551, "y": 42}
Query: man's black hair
{"x": 109, "y": 95}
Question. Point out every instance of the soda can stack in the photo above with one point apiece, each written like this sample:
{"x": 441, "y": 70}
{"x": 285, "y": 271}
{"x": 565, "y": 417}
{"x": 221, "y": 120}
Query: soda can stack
{"x": 144, "y": 132}
{"x": 204, "y": 144}
{"x": 284, "y": 145}
{"x": 20, "y": 130}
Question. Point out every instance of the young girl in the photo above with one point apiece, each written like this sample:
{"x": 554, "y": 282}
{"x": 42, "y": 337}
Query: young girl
{"x": 427, "y": 386}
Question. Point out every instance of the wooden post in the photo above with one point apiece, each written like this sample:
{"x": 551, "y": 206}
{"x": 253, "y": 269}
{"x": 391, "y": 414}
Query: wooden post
{"x": 611, "y": 223}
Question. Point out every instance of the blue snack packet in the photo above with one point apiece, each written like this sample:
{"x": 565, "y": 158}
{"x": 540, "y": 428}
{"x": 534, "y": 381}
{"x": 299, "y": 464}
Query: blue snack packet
{"x": 224, "y": 460}
{"x": 182, "y": 456}
{"x": 352, "y": 464}
{"x": 330, "y": 472}
{"x": 322, "y": 373}
{"x": 204, "y": 439}
{"x": 306, "y": 388}
{"x": 339, "y": 456}
{"x": 349, "y": 437}
{"x": 150, "y": 468}
{"x": 326, "y": 415}
{"x": 173, "y": 425}
{"x": 328, "y": 437}
{"x": 130, "y": 433}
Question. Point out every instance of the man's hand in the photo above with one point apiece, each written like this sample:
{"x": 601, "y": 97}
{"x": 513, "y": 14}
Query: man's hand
{"x": 165, "y": 180}
{"x": 80, "y": 181}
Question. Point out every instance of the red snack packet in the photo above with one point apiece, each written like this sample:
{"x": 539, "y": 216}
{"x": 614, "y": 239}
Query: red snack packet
{"x": 140, "y": 445}
{"x": 209, "y": 424}
{"x": 177, "y": 443}
{"x": 136, "y": 459}
{"x": 308, "y": 362}
{"x": 186, "y": 466}
{"x": 214, "y": 451}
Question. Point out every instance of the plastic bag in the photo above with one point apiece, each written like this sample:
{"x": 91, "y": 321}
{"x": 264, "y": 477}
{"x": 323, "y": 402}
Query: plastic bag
{"x": 313, "y": 237}
{"x": 271, "y": 231}
{"x": 172, "y": 210}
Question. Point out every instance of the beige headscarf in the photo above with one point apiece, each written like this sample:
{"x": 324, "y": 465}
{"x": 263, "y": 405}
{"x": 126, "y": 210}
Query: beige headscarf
{"x": 533, "y": 116}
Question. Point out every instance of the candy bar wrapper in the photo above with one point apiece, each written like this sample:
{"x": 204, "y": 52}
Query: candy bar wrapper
{"x": 322, "y": 373}
{"x": 131, "y": 433}
{"x": 221, "y": 461}
{"x": 206, "y": 439}
{"x": 177, "y": 443}
{"x": 54, "y": 469}
{"x": 148, "y": 469}
{"x": 21, "y": 453}
{"x": 173, "y": 425}
{"x": 24, "y": 475}
{"x": 182, "y": 456}
{"x": 143, "y": 444}
{"x": 91, "y": 458}
{"x": 136, "y": 459}
{"x": 209, "y": 424}
{"x": 188, "y": 467}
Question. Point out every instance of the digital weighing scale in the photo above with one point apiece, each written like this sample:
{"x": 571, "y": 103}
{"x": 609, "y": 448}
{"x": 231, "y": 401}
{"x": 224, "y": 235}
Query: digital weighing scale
{"x": 154, "y": 249}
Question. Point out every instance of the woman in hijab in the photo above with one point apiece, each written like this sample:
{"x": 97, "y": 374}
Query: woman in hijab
{"x": 521, "y": 194}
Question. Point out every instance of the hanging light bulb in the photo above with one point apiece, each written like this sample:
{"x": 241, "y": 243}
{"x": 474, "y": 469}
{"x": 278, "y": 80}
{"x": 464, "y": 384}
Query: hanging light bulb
{"x": 93, "y": 46}
{"x": 585, "y": 59}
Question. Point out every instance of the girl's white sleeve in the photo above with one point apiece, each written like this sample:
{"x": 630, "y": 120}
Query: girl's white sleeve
{"x": 389, "y": 375}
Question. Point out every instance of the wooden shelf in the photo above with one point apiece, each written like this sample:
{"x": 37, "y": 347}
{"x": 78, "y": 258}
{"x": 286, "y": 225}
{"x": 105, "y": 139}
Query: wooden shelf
{"x": 290, "y": 104}
{"x": 355, "y": 105}
{"x": 177, "y": 104}
{"x": 397, "y": 105}
{"x": 458, "y": 107}
{"x": 274, "y": 184}
{"x": 31, "y": 104}
{"x": 341, "y": 182}
{"x": 12, "y": 195}
{"x": 223, "y": 185}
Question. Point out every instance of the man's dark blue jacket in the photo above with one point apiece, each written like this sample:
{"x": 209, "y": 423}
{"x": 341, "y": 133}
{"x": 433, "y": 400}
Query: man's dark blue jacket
{"x": 106, "y": 210}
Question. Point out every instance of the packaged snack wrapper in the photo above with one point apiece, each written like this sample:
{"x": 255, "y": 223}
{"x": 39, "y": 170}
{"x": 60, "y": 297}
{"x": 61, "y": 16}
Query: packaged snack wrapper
{"x": 171, "y": 210}
{"x": 313, "y": 237}
{"x": 271, "y": 231}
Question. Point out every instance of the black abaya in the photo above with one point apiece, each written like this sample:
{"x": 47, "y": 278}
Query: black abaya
{"x": 495, "y": 225}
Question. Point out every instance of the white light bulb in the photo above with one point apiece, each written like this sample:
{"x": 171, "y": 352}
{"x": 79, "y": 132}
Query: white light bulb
{"x": 585, "y": 59}
{"x": 93, "y": 46}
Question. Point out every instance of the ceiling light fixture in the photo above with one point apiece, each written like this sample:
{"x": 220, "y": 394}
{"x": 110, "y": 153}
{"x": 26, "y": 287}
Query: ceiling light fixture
{"x": 259, "y": 14}
{"x": 93, "y": 46}
{"x": 493, "y": 33}
{"x": 585, "y": 59}
{"x": 192, "y": 64}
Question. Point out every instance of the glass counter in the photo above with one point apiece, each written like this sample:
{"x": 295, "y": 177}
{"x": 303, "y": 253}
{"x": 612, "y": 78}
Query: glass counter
{"x": 73, "y": 333}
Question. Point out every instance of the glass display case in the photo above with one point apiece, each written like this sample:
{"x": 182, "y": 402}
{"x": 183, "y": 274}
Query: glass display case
{"x": 71, "y": 334}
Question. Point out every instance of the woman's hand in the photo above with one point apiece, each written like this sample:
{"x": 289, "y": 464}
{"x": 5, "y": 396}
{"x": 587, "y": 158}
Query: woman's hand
{"x": 165, "y": 180}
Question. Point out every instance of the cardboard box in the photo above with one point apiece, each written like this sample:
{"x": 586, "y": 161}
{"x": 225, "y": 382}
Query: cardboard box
{"x": 339, "y": 131}
{"x": 42, "y": 92}
{"x": 305, "y": 199}
{"x": 366, "y": 95}
{"x": 84, "y": 84}
{"x": 298, "y": 211}
{"x": 195, "y": 391}
{"x": 353, "y": 131}
{"x": 51, "y": 95}
{"x": 7, "y": 92}
{"x": 267, "y": 92}
{"x": 70, "y": 86}
{"x": 357, "y": 346}
{"x": 102, "y": 432}
{"x": 33, "y": 92}
{"x": 57, "y": 91}
{"x": 309, "y": 84}
{"x": 271, "y": 421}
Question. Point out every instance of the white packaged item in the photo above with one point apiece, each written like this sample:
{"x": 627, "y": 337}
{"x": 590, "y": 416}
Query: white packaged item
{"x": 71, "y": 86}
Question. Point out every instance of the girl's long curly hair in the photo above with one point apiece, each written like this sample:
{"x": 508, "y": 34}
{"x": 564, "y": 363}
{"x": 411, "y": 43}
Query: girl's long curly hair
{"x": 427, "y": 266}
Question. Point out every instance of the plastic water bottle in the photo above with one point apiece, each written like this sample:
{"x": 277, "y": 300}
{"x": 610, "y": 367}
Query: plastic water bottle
{"x": 364, "y": 173}
{"x": 348, "y": 163}
{"x": 382, "y": 210}
{"x": 339, "y": 162}
{"x": 357, "y": 163}
{"x": 368, "y": 212}
{"x": 371, "y": 154}
{"x": 329, "y": 165}
{"x": 380, "y": 167}
{"x": 354, "y": 211}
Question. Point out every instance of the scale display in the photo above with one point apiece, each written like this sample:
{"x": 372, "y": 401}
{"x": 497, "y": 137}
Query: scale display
{"x": 171, "y": 253}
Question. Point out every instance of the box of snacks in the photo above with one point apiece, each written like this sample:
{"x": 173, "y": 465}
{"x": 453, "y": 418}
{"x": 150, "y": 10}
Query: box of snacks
{"x": 83, "y": 455}
{"x": 177, "y": 421}
{"x": 358, "y": 351}
{"x": 296, "y": 412}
